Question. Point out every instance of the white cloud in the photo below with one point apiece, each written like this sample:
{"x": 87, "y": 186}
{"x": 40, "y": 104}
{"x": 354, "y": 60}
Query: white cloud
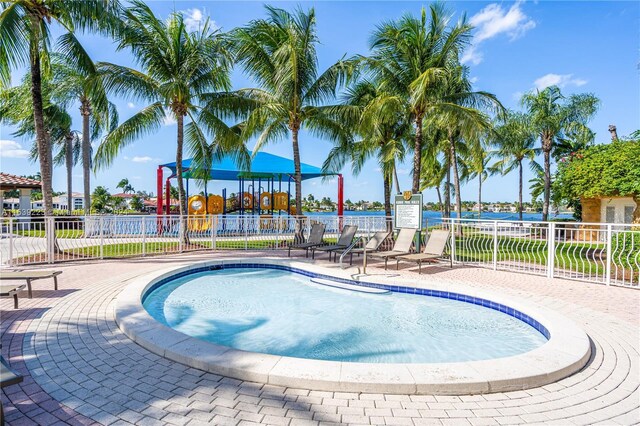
{"x": 131, "y": 105}
{"x": 169, "y": 119}
{"x": 12, "y": 149}
{"x": 144, "y": 159}
{"x": 193, "y": 19}
{"x": 560, "y": 80}
{"x": 473, "y": 80}
{"x": 493, "y": 21}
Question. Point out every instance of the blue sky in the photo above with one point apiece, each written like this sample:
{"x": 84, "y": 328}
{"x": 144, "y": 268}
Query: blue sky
{"x": 580, "y": 46}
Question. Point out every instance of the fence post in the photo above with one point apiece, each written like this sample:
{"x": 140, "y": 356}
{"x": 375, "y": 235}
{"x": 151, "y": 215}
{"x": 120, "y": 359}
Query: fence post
{"x": 181, "y": 232}
{"x": 452, "y": 225}
{"x": 609, "y": 254}
{"x": 10, "y": 241}
{"x": 495, "y": 245}
{"x": 50, "y": 234}
{"x": 101, "y": 226}
{"x": 214, "y": 231}
{"x": 275, "y": 222}
{"x": 551, "y": 254}
{"x": 143, "y": 229}
{"x": 246, "y": 234}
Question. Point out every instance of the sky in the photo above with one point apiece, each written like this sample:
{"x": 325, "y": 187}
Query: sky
{"x": 517, "y": 47}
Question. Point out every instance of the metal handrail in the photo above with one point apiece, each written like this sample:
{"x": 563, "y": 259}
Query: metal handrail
{"x": 348, "y": 249}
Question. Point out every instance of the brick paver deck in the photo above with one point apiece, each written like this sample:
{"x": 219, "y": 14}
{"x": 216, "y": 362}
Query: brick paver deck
{"x": 80, "y": 369}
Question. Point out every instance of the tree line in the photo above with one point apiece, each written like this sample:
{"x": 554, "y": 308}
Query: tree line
{"x": 409, "y": 98}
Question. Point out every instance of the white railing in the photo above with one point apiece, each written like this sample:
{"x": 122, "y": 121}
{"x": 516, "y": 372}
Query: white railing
{"x": 601, "y": 253}
{"x": 594, "y": 252}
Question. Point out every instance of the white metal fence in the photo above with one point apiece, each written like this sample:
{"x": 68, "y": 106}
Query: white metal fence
{"x": 601, "y": 253}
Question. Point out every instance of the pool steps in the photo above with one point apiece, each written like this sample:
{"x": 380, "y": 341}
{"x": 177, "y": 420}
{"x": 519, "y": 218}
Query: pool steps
{"x": 360, "y": 289}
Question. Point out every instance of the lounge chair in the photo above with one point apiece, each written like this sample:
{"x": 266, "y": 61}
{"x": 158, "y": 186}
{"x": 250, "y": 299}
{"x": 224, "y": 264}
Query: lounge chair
{"x": 30, "y": 276}
{"x": 9, "y": 290}
{"x": 345, "y": 240}
{"x": 434, "y": 249}
{"x": 314, "y": 240}
{"x": 8, "y": 377}
{"x": 372, "y": 245}
{"x": 400, "y": 247}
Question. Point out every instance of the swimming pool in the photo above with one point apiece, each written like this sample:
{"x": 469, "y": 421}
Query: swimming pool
{"x": 354, "y": 367}
{"x": 281, "y": 312}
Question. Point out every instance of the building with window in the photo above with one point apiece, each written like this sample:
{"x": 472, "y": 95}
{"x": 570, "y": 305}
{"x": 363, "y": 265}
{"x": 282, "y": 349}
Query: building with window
{"x": 608, "y": 210}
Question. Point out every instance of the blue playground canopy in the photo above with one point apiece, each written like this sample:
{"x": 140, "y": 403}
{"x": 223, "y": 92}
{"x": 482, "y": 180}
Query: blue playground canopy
{"x": 263, "y": 166}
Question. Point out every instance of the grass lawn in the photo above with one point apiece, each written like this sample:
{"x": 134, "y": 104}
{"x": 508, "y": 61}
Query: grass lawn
{"x": 60, "y": 233}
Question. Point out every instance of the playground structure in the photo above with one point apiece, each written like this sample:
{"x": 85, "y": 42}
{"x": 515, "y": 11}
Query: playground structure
{"x": 261, "y": 189}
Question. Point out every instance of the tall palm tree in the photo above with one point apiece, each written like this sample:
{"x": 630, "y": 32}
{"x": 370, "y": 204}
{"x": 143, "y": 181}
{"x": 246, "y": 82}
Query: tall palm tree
{"x": 77, "y": 79}
{"x": 279, "y": 53}
{"x": 26, "y": 39}
{"x": 410, "y": 56}
{"x": 515, "y": 139}
{"x": 477, "y": 165}
{"x": 554, "y": 117}
{"x": 381, "y": 132}
{"x": 16, "y": 109}
{"x": 461, "y": 114}
{"x": 181, "y": 72}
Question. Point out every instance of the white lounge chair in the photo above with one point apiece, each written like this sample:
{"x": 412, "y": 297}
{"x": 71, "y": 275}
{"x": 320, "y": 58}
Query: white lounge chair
{"x": 400, "y": 247}
{"x": 30, "y": 276}
{"x": 372, "y": 245}
{"x": 434, "y": 249}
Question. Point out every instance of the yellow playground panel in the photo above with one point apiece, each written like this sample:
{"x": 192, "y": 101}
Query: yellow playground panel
{"x": 198, "y": 205}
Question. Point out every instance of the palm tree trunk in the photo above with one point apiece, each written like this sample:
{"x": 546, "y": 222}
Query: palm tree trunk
{"x": 69, "y": 164}
{"x": 479, "y": 195}
{"x": 520, "y": 191}
{"x": 387, "y": 199}
{"x": 42, "y": 140}
{"x": 297, "y": 176}
{"x": 417, "y": 155}
{"x": 85, "y": 111}
{"x": 181, "y": 196}
{"x": 440, "y": 200}
{"x": 447, "y": 189}
{"x": 456, "y": 176}
{"x": 547, "y": 181}
{"x": 395, "y": 175}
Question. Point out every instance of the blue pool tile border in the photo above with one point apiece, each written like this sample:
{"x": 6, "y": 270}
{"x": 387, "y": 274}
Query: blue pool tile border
{"x": 394, "y": 288}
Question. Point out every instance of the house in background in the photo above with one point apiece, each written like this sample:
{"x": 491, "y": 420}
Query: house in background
{"x": 10, "y": 182}
{"x": 61, "y": 202}
{"x": 608, "y": 209}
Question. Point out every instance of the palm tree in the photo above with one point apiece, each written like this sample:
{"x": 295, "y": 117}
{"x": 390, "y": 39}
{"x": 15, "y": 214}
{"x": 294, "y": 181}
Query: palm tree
{"x": 182, "y": 71}
{"x": 25, "y": 35}
{"x": 125, "y": 185}
{"x": 410, "y": 57}
{"x": 554, "y": 117}
{"x": 515, "y": 140}
{"x": 77, "y": 79}
{"x": 461, "y": 116}
{"x": 279, "y": 53}
{"x": 17, "y": 110}
{"x": 477, "y": 165}
{"x": 378, "y": 122}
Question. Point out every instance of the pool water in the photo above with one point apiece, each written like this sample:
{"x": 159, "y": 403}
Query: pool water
{"x": 284, "y": 313}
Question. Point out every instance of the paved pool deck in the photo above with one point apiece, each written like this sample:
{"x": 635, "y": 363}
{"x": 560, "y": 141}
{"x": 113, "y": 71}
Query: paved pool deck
{"x": 80, "y": 368}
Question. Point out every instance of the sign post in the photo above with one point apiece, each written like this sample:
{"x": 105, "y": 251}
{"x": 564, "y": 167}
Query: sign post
{"x": 408, "y": 213}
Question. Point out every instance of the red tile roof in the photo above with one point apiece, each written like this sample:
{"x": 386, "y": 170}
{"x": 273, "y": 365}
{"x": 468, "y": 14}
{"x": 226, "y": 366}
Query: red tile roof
{"x": 8, "y": 181}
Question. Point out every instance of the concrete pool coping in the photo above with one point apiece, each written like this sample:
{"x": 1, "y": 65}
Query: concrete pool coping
{"x": 565, "y": 353}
